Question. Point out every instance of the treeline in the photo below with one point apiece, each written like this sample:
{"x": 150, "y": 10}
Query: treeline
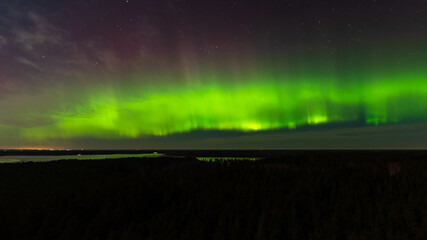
{"x": 293, "y": 197}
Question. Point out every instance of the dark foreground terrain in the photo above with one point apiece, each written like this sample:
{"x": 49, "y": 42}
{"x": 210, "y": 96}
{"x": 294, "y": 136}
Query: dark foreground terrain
{"x": 287, "y": 195}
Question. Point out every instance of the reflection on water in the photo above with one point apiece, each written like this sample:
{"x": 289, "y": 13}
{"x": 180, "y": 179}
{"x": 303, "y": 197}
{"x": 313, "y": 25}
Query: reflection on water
{"x": 212, "y": 159}
{"x": 15, "y": 159}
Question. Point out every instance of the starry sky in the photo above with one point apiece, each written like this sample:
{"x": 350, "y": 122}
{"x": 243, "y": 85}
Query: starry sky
{"x": 182, "y": 74}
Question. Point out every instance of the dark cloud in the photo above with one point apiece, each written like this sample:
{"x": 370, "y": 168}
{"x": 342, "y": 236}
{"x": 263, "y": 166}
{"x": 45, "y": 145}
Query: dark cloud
{"x": 398, "y": 136}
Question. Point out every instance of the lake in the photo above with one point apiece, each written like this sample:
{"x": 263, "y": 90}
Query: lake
{"x": 48, "y": 158}
{"x": 41, "y": 158}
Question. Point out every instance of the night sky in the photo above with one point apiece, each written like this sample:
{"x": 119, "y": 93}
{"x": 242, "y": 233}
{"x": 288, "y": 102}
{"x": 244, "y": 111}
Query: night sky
{"x": 296, "y": 74}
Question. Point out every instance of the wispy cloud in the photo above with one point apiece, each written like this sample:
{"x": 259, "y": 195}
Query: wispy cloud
{"x": 28, "y": 63}
{"x": 39, "y": 32}
{"x": 3, "y": 41}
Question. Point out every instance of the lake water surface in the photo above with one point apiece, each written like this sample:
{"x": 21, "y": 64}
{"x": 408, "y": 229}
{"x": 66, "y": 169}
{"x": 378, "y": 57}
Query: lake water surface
{"x": 212, "y": 159}
{"x": 48, "y": 158}
{"x": 41, "y": 158}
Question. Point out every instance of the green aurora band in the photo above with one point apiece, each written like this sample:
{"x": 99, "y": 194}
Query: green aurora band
{"x": 365, "y": 86}
{"x": 260, "y": 104}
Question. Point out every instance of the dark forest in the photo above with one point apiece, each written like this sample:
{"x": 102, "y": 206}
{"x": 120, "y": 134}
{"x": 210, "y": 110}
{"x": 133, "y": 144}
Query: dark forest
{"x": 320, "y": 195}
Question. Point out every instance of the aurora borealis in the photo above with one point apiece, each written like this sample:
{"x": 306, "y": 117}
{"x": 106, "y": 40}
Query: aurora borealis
{"x": 126, "y": 74}
{"x": 251, "y": 107}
